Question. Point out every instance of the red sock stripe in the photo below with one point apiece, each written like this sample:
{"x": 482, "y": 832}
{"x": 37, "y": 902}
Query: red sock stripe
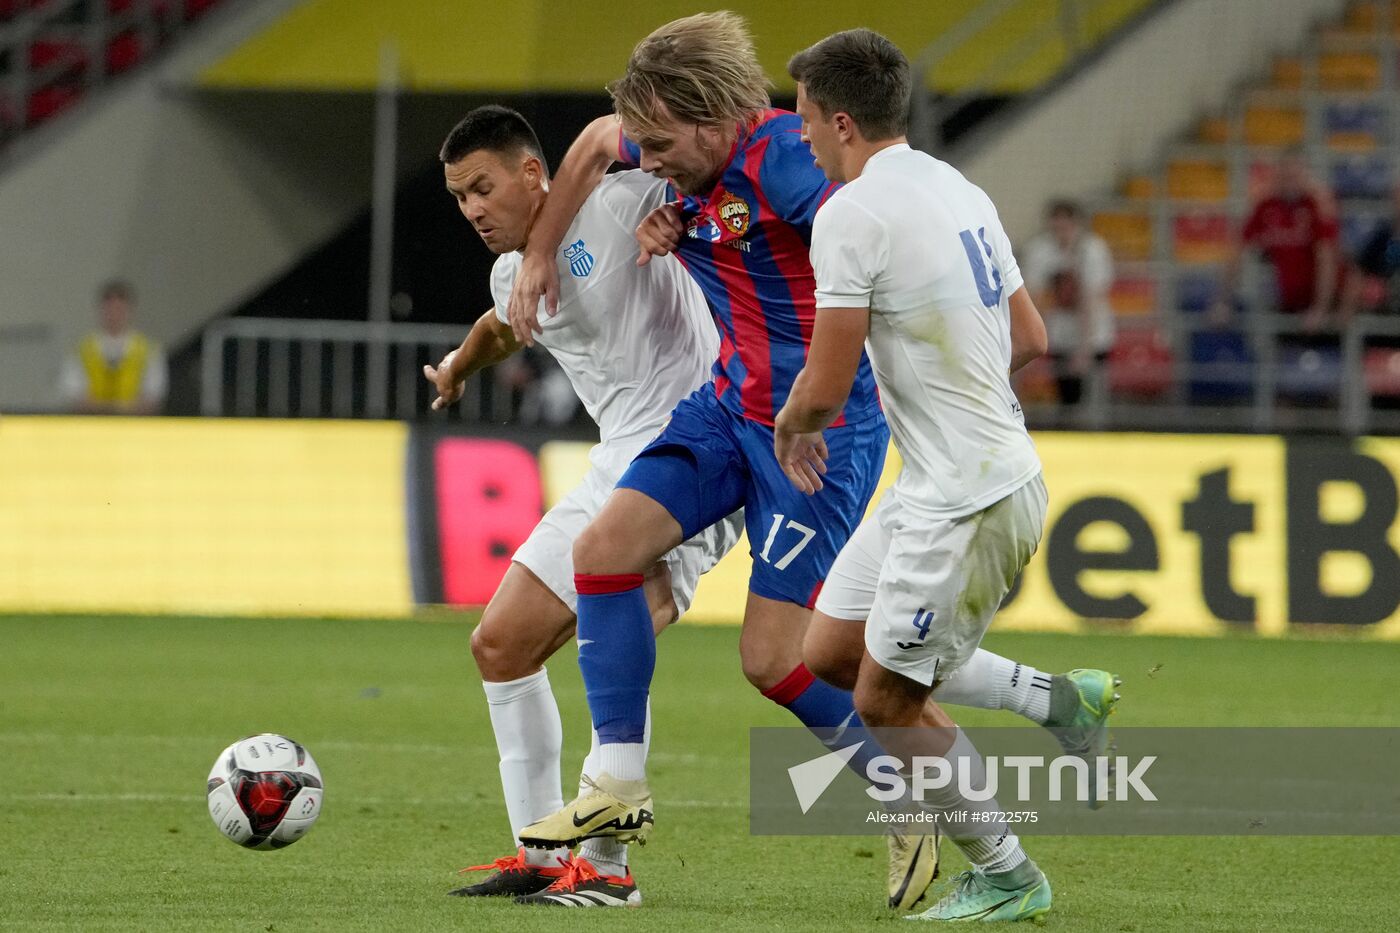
{"x": 601, "y": 584}
{"x": 792, "y": 686}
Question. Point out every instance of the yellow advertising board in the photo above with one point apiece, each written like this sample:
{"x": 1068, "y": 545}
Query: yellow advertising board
{"x": 1190, "y": 534}
{"x": 175, "y": 515}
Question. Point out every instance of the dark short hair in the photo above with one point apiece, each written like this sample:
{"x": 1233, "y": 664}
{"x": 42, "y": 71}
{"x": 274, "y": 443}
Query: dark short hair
{"x": 494, "y": 128}
{"x": 117, "y": 288}
{"x": 1064, "y": 207}
{"x": 861, "y": 73}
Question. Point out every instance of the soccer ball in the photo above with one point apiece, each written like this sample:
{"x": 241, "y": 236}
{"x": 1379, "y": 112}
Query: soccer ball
{"x": 265, "y": 791}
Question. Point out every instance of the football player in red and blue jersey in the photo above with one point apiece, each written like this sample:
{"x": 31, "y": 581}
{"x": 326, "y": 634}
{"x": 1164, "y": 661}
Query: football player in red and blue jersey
{"x": 693, "y": 108}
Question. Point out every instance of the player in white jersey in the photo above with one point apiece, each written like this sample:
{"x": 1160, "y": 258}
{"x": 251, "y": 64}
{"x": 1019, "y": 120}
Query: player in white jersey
{"x": 911, "y": 260}
{"x": 634, "y": 342}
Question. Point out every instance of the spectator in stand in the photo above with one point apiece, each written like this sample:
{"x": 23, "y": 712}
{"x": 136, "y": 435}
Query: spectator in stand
{"x": 1373, "y": 284}
{"x": 1068, "y": 270}
{"x": 1294, "y": 230}
{"x": 116, "y": 369}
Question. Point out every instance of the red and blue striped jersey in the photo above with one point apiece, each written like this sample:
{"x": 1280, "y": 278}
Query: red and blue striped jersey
{"x": 746, "y": 245}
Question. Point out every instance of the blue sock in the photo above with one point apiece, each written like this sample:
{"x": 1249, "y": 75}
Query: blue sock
{"x": 829, "y": 712}
{"x": 616, "y": 654}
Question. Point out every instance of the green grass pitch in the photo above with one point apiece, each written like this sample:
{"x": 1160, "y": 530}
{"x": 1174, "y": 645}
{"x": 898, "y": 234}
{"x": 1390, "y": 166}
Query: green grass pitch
{"x": 108, "y": 727}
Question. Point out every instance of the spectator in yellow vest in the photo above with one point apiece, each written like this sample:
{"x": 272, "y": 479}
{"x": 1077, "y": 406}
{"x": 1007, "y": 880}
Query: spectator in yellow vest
{"x": 116, "y": 370}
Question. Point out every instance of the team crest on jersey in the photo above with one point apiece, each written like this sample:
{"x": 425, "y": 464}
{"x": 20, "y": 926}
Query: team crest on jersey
{"x": 733, "y": 213}
{"x": 580, "y": 259}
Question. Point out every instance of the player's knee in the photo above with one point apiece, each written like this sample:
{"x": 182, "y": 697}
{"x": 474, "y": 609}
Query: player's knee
{"x": 497, "y": 659}
{"x": 763, "y": 670}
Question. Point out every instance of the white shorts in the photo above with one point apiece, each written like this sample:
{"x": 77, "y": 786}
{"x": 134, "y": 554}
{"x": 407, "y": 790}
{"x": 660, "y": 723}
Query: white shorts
{"x": 549, "y": 551}
{"x": 929, "y": 588}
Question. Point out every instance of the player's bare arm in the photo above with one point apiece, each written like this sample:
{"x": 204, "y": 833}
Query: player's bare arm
{"x": 1029, "y": 340}
{"x": 584, "y": 166}
{"x": 660, "y": 232}
{"x": 486, "y": 344}
{"x": 819, "y": 394}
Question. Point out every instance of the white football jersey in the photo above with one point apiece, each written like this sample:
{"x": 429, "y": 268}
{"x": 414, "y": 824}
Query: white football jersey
{"x": 633, "y": 341}
{"x": 923, "y": 248}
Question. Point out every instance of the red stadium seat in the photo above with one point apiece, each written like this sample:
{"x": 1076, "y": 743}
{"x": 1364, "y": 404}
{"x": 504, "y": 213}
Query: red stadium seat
{"x": 124, "y": 51}
{"x": 1140, "y": 364}
{"x": 48, "y": 102}
{"x": 55, "y": 53}
{"x": 1382, "y": 368}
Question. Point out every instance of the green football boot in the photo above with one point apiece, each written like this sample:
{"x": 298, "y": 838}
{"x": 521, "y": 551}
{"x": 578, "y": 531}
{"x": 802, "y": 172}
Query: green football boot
{"x": 1080, "y": 703}
{"x": 976, "y": 898}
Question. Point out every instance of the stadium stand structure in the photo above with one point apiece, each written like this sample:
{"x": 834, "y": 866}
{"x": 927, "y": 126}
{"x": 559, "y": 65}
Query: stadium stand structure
{"x": 55, "y": 52}
{"x": 1335, "y": 102}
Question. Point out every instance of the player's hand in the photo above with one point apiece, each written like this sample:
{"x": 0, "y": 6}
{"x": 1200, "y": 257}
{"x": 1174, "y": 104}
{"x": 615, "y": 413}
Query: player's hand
{"x": 449, "y": 387}
{"x": 660, "y": 232}
{"x": 803, "y": 458}
{"x": 538, "y": 278}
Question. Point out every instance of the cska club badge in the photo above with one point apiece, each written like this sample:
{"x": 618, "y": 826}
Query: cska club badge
{"x": 733, "y": 213}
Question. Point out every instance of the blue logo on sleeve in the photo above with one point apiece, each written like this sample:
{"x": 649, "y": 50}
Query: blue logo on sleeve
{"x": 580, "y": 259}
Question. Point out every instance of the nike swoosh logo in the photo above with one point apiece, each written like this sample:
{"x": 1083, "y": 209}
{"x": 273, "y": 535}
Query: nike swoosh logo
{"x": 584, "y": 641}
{"x": 581, "y": 821}
{"x": 840, "y": 730}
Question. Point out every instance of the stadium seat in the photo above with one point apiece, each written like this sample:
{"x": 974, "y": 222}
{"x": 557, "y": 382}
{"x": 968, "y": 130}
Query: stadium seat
{"x": 1287, "y": 73}
{"x": 124, "y": 51}
{"x": 1229, "y": 377}
{"x": 1195, "y": 292}
{"x": 1361, "y": 177}
{"x": 1198, "y": 179}
{"x": 1274, "y": 126}
{"x": 1309, "y": 373}
{"x": 1213, "y": 131}
{"x": 1139, "y": 188}
{"x": 1201, "y": 237}
{"x": 1133, "y": 295}
{"x": 48, "y": 102}
{"x": 1348, "y": 71}
{"x": 57, "y": 54}
{"x": 1140, "y": 364}
{"x": 1353, "y": 126}
{"x": 1381, "y": 366}
{"x": 1128, "y": 233}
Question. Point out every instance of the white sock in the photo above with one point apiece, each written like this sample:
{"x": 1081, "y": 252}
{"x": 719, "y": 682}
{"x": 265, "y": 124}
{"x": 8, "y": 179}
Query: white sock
{"x": 525, "y": 718}
{"x": 989, "y": 681}
{"x": 988, "y": 844}
{"x": 608, "y": 855}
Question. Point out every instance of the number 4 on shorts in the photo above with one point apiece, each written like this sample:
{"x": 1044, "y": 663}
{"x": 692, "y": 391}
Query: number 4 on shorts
{"x": 782, "y": 563}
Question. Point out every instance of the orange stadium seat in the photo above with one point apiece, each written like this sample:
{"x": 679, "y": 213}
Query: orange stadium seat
{"x": 1139, "y": 188}
{"x": 1349, "y": 71}
{"x": 1128, "y": 233}
{"x": 1287, "y": 73}
{"x": 1133, "y": 295}
{"x": 1201, "y": 237}
{"x": 1274, "y": 126}
{"x": 1140, "y": 364}
{"x": 1198, "y": 179}
{"x": 1213, "y": 131}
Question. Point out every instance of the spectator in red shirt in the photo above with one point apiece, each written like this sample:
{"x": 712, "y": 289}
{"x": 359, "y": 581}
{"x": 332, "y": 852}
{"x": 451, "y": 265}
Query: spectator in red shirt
{"x": 1294, "y": 229}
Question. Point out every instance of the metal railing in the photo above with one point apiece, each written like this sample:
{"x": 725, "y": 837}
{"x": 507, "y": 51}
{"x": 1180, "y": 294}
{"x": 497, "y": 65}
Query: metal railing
{"x": 1281, "y": 386}
{"x": 253, "y": 367}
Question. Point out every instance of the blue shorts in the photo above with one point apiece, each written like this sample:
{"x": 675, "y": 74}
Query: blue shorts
{"x": 710, "y": 461}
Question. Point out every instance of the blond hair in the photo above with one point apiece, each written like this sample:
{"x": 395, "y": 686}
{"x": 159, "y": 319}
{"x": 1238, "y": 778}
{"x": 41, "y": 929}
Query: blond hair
{"x": 702, "y": 67}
